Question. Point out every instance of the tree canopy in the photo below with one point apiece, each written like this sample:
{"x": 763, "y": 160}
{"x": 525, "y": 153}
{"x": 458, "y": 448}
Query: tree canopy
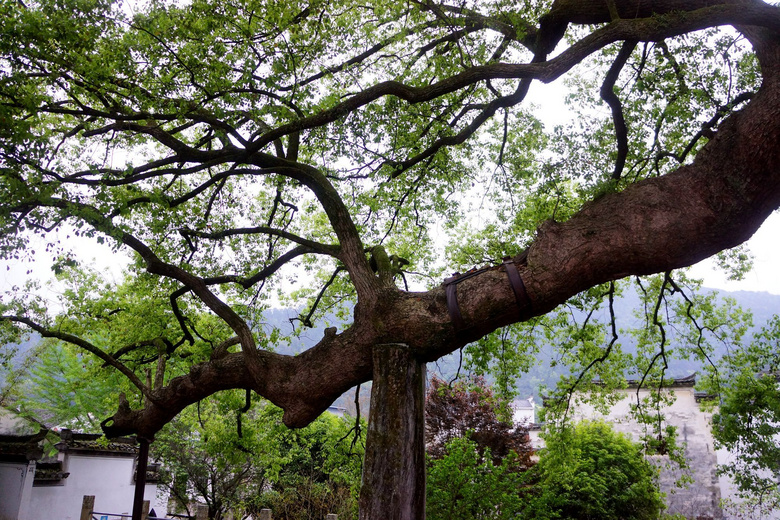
{"x": 349, "y": 156}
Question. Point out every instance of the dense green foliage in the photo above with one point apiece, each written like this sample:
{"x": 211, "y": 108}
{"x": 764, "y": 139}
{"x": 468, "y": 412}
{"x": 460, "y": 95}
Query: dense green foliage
{"x": 589, "y": 471}
{"x": 298, "y": 474}
{"x": 466, "y": 484}
{"x": 203, "y": 459}
{"x": 90, "y": 80}
{"x": 585, "y": 471}
{"x": 314, "y": 470}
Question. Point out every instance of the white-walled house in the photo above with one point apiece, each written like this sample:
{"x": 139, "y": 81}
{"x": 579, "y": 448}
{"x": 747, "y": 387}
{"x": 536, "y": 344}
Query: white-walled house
{"x": 36, "y": 488}
{"x": 703, "y": 497}
{"x": 524, "y": 412}
{"x": 18, "y": 454}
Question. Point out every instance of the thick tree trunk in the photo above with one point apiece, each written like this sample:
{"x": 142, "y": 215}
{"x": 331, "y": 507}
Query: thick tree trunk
{"x": 394, "y": 467}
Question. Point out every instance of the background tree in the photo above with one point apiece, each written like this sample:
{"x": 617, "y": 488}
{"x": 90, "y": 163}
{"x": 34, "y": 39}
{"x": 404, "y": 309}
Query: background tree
{"x": 590, "y": 471}
{"x": 466, "y": 483}
{"x": 314, "y": 470}
{"x": 206, "y": 459}
{"x": 226, "y": 149}
{"x": 64, "y": 386}
{"x": 469, "y": 409}
{"x": 298, "y": 474}
{"x": 476, "y": 460}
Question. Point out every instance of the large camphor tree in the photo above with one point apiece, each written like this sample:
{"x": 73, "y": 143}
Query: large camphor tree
{"x": 242, "y": 152}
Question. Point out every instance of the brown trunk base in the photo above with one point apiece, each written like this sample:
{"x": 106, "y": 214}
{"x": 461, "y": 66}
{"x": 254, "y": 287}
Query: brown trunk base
{"x": 394, "y": 468}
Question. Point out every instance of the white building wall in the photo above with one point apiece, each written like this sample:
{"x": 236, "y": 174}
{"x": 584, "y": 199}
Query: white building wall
{"x": 702, "y": 496}
{"x": 735, "y": 507}
{"x": 15, "y": 482}
{"x": 26, "y": 506}
{"x": 523, "y": 414}
{"x": 109, "y": 479}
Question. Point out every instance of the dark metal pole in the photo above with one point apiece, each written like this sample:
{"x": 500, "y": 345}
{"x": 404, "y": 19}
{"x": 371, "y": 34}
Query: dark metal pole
{"x": 140, "y": 478}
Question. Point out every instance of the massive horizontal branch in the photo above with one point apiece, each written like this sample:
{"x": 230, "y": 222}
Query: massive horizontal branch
{"x": 656, "y": 225}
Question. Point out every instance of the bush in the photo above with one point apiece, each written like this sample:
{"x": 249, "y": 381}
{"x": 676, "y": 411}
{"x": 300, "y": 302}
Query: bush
{"x": 589, "y": 471}
{"x": 464, "y": 485}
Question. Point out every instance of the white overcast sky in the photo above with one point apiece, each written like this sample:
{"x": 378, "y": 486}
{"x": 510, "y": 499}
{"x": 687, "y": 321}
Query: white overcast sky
{"x": 765, "y": 276}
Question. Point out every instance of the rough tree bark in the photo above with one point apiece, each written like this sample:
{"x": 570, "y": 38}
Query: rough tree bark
{"x": 394, "y": 466}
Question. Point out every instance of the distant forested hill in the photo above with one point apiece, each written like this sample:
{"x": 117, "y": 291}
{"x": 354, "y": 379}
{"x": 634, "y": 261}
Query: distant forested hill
{"x": 763, "y": 306}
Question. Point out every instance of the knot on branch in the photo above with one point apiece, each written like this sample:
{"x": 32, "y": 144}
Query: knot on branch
{"x": 386, "y": 266}
{"x": 109, "y": 425}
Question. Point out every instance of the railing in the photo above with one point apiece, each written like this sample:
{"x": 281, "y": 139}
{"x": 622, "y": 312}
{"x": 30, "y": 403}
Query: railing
{"x": 88, "y": 513}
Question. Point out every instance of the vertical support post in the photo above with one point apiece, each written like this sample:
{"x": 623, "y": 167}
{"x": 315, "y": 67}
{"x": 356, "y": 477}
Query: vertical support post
{"x": 393, "y": 485}
{"x": 140, "y": 479}
{"x": 145, "y": 510}
{"x": 202, "y": 513}
{"x": 87, "y": 505}
{"x": 265, "y": 514}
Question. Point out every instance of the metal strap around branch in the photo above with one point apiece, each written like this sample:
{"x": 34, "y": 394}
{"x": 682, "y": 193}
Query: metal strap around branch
{"x": 452, "y": 295}
{"x": 452, "y": 301}
{"x": 518, "y": 287}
